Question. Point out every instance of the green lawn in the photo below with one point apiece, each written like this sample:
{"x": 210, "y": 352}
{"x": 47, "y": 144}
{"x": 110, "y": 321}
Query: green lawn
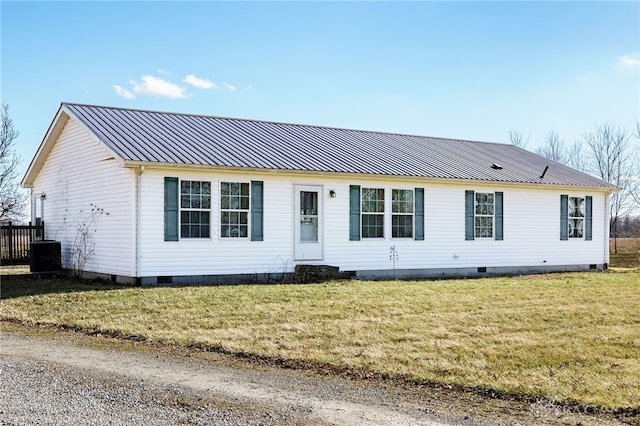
{"x": 571, "y": 338}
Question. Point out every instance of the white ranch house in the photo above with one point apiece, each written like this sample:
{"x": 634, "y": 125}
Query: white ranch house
{"x": 200, "y": 199}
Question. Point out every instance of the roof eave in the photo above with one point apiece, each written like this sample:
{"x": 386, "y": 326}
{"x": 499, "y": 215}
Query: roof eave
{"x": 58, "y": 123}
{"x": 55, "y": 128}
{"x": 255, "y": 170}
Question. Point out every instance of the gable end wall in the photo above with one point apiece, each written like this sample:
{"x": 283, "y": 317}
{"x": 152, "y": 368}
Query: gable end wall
{"x": 78, "y": 173}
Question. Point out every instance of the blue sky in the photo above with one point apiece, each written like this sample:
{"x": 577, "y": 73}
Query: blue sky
{"x": 469, "y": 70}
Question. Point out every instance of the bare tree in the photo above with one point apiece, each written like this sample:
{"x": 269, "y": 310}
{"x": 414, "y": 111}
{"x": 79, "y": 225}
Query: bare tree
{"x": 553, "y": 148}
{"x": 12, "y": 198}
{"x": 613, "y": 159}
{"x": 635, "y": 177}
{"x": 517, "y": 138}
{"x": 576, "y": 158}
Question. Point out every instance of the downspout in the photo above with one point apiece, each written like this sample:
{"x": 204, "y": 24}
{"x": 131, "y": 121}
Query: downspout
{"x": 138, "y": 221}
{"x": 606, "y": 228}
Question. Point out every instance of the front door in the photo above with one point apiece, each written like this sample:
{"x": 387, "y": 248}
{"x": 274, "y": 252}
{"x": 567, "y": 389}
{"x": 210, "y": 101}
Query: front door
{"x": 308, "y": 223}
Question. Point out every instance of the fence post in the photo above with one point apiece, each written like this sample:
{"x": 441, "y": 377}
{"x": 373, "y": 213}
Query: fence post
{"x": 10, "y": 229}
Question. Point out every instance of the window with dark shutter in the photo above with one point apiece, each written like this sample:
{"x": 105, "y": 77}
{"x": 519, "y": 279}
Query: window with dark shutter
{"x": 469, "y": 216}
{"x": 564, "y": 217}
{"x": 588, "y": 220}
{"x": 171, "y": 209}
{"x": 354, "y": 212}
{"x": 484, "y": 215}
{"x": 499, "y": 219}
{"x": 419, "y": 213}
{"x": 257, "y": 220}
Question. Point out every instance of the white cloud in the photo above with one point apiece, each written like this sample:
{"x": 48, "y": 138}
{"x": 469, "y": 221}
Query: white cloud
{"x": 155, "y": 86}
{"x": 229, "y": 86}
{"x": 630, "y": 61}
{"x": 123, "y": 92}
{"x": 199, "y": 82}
{"x": 248, "y": 87}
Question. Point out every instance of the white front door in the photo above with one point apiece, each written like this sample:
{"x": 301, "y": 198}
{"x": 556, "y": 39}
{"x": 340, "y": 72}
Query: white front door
{"x": 307, "y": 222}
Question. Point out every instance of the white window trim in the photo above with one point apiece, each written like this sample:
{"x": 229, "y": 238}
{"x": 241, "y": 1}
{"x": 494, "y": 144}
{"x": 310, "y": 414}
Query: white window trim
{"x": 221, "y": 210}
{"x": 181, "y": 209}
{"x": 383, "y": 213}
{"x": 570, "y": 217}
{"x": 477, "y": 215}
{"x": 412, "y": 214}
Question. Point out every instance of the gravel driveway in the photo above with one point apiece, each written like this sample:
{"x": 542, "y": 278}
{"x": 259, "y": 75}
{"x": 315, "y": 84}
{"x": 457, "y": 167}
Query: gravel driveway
{"x": 55, "y": 382}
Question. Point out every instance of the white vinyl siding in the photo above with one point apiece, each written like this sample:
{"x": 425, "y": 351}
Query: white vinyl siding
{"x": 444, "y": 245}
{"x": 78, "y": 175}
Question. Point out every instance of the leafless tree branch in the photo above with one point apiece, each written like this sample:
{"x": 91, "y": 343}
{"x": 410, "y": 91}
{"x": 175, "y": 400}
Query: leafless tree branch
{"x": 517, "y": 138}
{"x": 12, "y": 198}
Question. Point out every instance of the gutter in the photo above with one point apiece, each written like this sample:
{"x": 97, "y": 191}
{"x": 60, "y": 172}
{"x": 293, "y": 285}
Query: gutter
{"x": 360, "y": 176}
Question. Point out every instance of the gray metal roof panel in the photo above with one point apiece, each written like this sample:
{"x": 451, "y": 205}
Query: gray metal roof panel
{"x": 171, "y": 138}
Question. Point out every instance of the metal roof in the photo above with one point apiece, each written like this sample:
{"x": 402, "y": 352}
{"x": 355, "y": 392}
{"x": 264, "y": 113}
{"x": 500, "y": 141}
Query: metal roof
{"x": 172, "y": 138}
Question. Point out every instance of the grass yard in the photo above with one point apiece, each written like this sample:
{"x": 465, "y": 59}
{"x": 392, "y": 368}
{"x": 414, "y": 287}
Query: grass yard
{"x": 628, "y": 255}
{"x": 571, "y": 338}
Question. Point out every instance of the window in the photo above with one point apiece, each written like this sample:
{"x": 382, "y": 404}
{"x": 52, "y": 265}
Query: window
{"x": 187, "y": 209}
{"x": 309, "y": 215}
{"x": 576, "y": 217}
{"x": 484, "y": 215}
{"x": 234, "y": 209}
{"x": 402, "y": 213}
{"x": 195, "y": 205}
{"x": 372, "y": 213}
{"x": 484, "y": 210}
{"x": 38, "y": 199}
{"x": 367, "y": 210}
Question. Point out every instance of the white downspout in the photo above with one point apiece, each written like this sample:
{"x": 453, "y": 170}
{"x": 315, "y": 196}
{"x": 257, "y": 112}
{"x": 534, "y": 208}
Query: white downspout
{"x": 138, "y": 221}
{"x": 606, "y": 226}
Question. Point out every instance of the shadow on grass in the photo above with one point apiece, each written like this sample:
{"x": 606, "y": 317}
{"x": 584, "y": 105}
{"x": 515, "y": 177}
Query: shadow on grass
{"x": 20, "y": 285}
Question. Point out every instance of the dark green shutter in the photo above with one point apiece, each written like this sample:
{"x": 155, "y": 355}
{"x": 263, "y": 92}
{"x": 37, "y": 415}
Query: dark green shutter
{"x": 588, "y": 222}
{"x": 564, "y": 217}
{"x": 419, "y": 213}
{"x": 469, "y": 207}
{"x": 499, "y": 216}
{"x": 257, "y": 202}
{"x": 354, "y": 212}
{"x": 171, "y": 196}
